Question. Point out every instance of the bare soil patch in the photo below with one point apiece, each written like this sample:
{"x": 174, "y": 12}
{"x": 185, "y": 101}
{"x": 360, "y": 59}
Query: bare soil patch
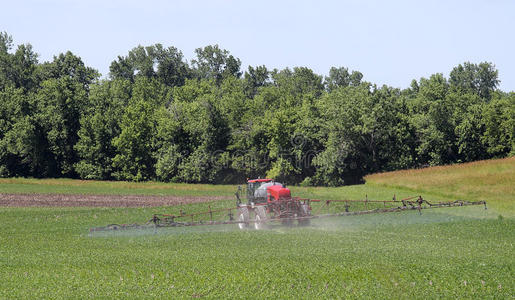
{"x": 61, "y": 200}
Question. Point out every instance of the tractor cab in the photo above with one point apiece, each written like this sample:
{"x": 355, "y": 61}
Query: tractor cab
{"x": 265, "y": 190}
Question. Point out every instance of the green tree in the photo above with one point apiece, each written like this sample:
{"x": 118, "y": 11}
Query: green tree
{"x": 433, "y": 89}
{"x": 68, "y": 65}
{"x": 17, "y": 69}
{"x": 481, "y": 79}
{"x": 342, "y": 161}
{"x": 340, "y": 77}
{"x": 136, "y": 145}
{"x": 365, "y": 130}
{"x": 19, "y": 155}
{"x": 157, "y": 118}
{"x": 193, "y": 133}
{"x": 499, "y": 122}
{"x": 212, "y": 62}
{"x": 468, "y": 121}
{"x": 297, "y": 83}
{"x": 100, "y": 124}
{"x": 165, "y": 64}
{"x": 172, "y": 143}
{"x": 60, "y": 104}
{"x": 255, "y": 78}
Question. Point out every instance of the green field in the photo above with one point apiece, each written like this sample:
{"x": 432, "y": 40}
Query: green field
{"x": 445, "y": 253}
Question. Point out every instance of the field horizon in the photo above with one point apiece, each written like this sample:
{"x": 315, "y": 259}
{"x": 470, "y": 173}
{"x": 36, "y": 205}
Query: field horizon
{"x": 487, "y": 180}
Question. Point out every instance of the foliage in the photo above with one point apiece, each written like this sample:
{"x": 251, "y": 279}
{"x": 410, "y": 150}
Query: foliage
{"x": 159, "y": 117}
{"x": 165, "y": 64}
{"x": 99, "y": 126}
{"x": 135, "y": 143}
{"x": 499, "y": 116}
{"x": 215, "y": 63}
{"x": 481, "y": 79}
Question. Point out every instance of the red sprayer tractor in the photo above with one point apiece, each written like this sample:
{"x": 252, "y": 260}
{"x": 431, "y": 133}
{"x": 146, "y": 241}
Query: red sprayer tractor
{"x": 269, "y": 202}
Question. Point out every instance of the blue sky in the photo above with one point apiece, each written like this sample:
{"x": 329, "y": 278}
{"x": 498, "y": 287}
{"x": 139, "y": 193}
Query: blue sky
{"x": 390, "y": 42}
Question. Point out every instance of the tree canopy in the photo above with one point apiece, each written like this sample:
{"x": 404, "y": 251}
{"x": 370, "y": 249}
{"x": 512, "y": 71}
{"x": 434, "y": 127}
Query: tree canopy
{"x": 160, "y": 117}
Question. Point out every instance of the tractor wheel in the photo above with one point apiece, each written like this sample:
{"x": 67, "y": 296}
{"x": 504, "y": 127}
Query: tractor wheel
{"x": 113, "y": 227}
{"x": 243, "y": 217}
{"x": 261, "y": 218}
{"x": 305, "y": 212}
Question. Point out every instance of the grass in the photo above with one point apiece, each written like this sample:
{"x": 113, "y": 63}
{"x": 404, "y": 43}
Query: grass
{"x": 95, "y": 187}
{"x": 445, "y": 253}
{"x": 489, "y": 180}
{"x": 47, "y": 253}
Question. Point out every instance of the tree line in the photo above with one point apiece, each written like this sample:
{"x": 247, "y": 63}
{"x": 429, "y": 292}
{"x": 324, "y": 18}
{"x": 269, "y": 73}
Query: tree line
{"x": 159, "y": 117}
